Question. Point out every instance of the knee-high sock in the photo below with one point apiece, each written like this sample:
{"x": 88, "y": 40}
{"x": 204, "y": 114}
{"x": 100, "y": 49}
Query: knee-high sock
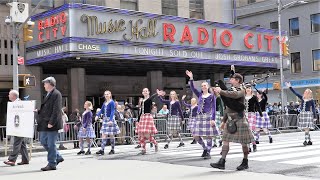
{"x": 81, "y": 145}
{"x": 209, "y": 144}
{"x": 103, "y": 144}
{"x": 257, "y": 134}
{"x": 224, "y": 151}
{"x": 245, "y": 151}
{"x": 142, "y": 142}
{"x": 152, "y": 140}
{"x": 89, "y": 144}
{"x": 112, "y": 141}
{"x": 180, "y": 138}
{"x": 307, "y": 136}
{"x": 200, "y": 141}
{"x": 170, "y": 138}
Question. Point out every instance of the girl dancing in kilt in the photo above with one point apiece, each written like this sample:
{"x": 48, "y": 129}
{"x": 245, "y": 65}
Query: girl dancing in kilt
{"x": 264, "y": 125}
{"x": 193, "y": 113}
{"x": 252, "y": 106}
{"x": 307, "y": 114}
{"x": 145, "y": 126}
{"x": 242, "y": 134}
{"x": 204, "y": 122}
{"x": 109, "y": 125}
{"x": 86, "y": 130}
{"x": 175, "y": 117}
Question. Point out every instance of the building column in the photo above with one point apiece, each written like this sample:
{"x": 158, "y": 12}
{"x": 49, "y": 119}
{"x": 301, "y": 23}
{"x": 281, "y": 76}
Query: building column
{"x": 76, "y": 89}
{"x": 215, "y": 77}
{"x": 34, "y": 93}
{"x": 154, "y": 81}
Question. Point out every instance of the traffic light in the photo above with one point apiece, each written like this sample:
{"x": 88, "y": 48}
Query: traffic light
{"x": 276, "y": 85}
{"x": 285, "y": 49}
{"x": 28, "y": 31}
{"x": 29, "y": 81}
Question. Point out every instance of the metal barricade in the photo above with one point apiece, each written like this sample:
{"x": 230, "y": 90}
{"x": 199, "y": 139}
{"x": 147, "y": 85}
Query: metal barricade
{"x": 161, "y": 125}
{"x": 288, "y": 122}
{"x": 274, "y": 123}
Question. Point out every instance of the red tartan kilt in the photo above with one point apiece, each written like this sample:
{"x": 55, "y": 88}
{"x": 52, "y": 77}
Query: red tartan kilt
{"x": 251, "y": 116}
{"x": 146, "y": 125}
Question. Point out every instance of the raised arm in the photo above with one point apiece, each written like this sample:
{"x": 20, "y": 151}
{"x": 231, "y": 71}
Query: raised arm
{"x": 296, "y": 93}
{"x": 258, "y": 108}
{"x": 186, "y": 104}
{"x": 163, "y": 100}
{"x": 194, "y": 90}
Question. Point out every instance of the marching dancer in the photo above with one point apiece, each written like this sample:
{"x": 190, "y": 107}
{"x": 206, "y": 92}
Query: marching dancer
{"x": 204, "y": 122}
{"x": 109, "y": 125}
{"x": 237, "y": 129}
{"x": 145, "y": 126}
{"x": 193, "y": 113}
{"x": 307, "y": 114}
{"x": 86, "y": 131}
{"x": 264, "y": 125}
{"x": 175, "y": 117}
{"x": 252, "y": 106}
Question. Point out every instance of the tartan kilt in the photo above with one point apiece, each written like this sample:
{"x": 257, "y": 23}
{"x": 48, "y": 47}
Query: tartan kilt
{"x": 252, "y": 120}
{"x": 109, "y": 130}
{"x": 218, "y": 119}
{"x": 173, "y": 124}
{"x": 89, "y": 133}
{"x": 190, "y": 123}
{"x": 201, "y": 126}
{"x": 305, "y": 119}
{"x": 146, "y": 125}
{"x": 266, "y": 123}
{"x": 243, "y": 135}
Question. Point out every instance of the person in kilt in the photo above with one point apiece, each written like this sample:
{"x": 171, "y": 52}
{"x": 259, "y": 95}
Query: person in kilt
{"x": 193, "y": 108}
{"x": 219, "y": 115}
{"x": 204, "y": 122}
{"x": 86, "y": 130}
{"x": 109, "y": 125}
{"x": 308, "y": 113}
{"x": 145, "y": 125}
{"x": 264, "y": 125}
{"x": 243, "y": 134}
{"x": 175, "y": 117}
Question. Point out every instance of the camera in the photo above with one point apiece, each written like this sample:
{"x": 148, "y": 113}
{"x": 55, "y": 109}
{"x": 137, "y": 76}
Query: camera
{"x": 8, "y": 20}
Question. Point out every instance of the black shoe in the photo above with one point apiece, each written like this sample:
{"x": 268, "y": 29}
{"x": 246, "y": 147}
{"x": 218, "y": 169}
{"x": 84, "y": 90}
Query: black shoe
{"x": 309, "y": 143}
{"x": 254, "y": 148}
{"x": 243, "y": 165}
{"x": 181, "y": 145}
{"x": 151, "y": 145}
{"x": 62, "y": 148}
{"x": 88, "y": 152}
{"x": 48, "y": 168}
{"x": 137, "y": 147}
{"x": 80, "y": 152}
{"x": 143, "y": 152}
{"x": 100, "y": 152}
{"x": 257, "y": 142}
{"x": 204, "y": 153}
{"x": 194, "y": 142}
{"x": 219, "y": 165}
{"x": 249, "y": 149}
{"x": 59, "y": 161}
{"x": 270, "y": 140}
{"x": 214, "y": 145}
{"x": 166, "y": 146}
{"x": 305, "y": 143}
{"x": 220, "y": 143}
{"x": 111, "y": 152}
{"x": 207, "y": 156}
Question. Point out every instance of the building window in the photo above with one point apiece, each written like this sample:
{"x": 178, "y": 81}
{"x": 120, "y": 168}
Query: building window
{"x": 294, "y": 26}
{"x": 316, "y": 59}
{"x": 6, "y": 59}
{"x": 251, "y": 1}
{"x": 44, "y": 4}
{"x": 129, "y": 4}
{"x": 0, "y": 59}
{"x": 315, "y": 22}
{"x": 5, "y": 44}
{"x": 274, "y": 25}
{"x": 196, "y": 9}
{"x": 11, "y": 44}
{"x": 0, "y": 43}
{"x": 11, "y": 59}
{"x": 169, "y": 7}
{"x": 295, "y": 62}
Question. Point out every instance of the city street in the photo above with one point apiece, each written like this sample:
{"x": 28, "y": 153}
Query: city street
{"x": 285, "y": 159}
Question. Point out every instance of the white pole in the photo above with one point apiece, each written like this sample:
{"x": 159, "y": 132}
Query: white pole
{"x": 280, "y": 57}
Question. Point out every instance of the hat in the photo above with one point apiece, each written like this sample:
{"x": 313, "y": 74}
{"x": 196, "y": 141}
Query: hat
{"x": 237, "y": 76}
{"x": 51, "y": 80}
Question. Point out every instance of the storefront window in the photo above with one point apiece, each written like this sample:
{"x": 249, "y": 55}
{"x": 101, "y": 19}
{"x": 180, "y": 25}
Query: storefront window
{"x": 315, "y": 22}
{"x": 295, "y": 62}
{"x": 169, "y": 7}
{"x": 129, "y": 4}
{"x": 294, "y": 26}
{"x": 316, "y": 59}
{"x": 196, "y": 9}
{"x": 274, "y": 25}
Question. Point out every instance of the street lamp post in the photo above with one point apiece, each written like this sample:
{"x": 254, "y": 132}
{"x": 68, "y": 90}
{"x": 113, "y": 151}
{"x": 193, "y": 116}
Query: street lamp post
{"x": 280, "y": 9}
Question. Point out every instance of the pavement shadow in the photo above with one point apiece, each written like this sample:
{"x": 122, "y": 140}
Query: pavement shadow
{"x": 209, "y": 173}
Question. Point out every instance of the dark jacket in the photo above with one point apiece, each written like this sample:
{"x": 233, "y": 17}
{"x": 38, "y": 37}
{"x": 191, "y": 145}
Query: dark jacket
{"x": 50, "y": 112}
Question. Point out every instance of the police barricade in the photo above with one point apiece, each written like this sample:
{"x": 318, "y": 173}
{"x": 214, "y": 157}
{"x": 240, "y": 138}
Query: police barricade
{"x": 274, "y": 123}
{"x": 184, "y": 128}
{"x": 287, "y": 122}
{"x": 161, "y": 125}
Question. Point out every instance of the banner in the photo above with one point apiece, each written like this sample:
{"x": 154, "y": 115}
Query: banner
{"x": 20, "y": 118}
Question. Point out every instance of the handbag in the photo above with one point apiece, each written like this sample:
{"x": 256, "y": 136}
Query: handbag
{"x": 231, "y": 126}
